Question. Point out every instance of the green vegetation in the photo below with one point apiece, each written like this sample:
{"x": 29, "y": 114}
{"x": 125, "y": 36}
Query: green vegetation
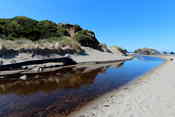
{"x": 30, "y": 29}
{"x": 172, "y": 52}
{"x": 87, "y": 38}
{"x": 147, "y": 51}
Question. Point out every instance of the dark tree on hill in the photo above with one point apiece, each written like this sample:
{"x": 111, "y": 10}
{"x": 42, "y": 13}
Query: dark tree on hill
{"x": 172, "y": 53}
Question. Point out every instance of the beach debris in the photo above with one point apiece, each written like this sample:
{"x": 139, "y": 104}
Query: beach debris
{"x": 63, "y": 60}
{"x": 106, "y": 105}
{"x": 24, "y": 77}
{"x": 24, "y": 67}
{"x": 38, "y": 69}
{"x": 1, "y": 62}
{"x": 82, "y": 116}
{"x": 13, "y": 61}
{"x": 1, "y": 77}
{"x": 67, "y": 55}
{"x": 171, "y": 59}
{"x": 36, "y": 76}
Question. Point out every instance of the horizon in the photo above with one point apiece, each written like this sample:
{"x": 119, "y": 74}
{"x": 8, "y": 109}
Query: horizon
{"x": 128, "y": 24}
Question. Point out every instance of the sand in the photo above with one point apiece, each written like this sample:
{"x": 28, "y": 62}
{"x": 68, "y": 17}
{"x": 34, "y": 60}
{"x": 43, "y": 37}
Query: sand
{"x": 152, "y": 95}
{"x": 98, "y": 56}
{"x": 92, "y": 55}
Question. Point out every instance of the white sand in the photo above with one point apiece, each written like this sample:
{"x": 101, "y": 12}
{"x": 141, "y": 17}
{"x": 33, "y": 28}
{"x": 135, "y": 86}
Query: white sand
{"x": 95, "y": 55}
{"x": 150, "y": 96}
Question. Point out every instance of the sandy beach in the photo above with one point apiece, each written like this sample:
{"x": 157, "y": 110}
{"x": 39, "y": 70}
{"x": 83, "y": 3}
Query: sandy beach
{"x": 149, "y": 96}
{"x": 98, "y": 56}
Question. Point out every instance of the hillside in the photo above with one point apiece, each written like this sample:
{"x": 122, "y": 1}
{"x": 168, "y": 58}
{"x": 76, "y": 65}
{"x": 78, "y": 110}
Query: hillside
{"x": 147, "y": 51}
{"x": 23, "y": 38}
{"x": 21, "y": 27}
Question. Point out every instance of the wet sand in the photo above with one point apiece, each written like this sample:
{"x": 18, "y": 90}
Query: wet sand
{"x": 149, "y": 96}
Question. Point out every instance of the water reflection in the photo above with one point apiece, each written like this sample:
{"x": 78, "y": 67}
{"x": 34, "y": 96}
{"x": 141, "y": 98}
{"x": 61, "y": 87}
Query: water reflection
{"x": 52, "y": 94}
{"x": 56, "y": 94}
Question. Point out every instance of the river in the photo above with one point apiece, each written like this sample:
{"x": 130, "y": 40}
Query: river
{"x": 58, "y": 93}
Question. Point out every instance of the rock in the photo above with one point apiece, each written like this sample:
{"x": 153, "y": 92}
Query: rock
{"x": 171, "y": 59}
{"x": 1, "y": 77}
{"x": 67, "y": 55}
{"x": 24, "y": 67}
{"x": 36, "y": 76}
{"x": 82, "y": 116}
{"x": 13, "y": 61}
{"x": 24, "y": 77}
{"x": 106, "y": 105}
{"x": 57, "y": 45}
{"x": 37, "y": 69}
{"x": 1, "y": 62}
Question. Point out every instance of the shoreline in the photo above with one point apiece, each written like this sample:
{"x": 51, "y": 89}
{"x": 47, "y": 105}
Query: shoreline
{"x": 37, "y": 66}
{"x": 132, "y": 99}
{"x": 28, "y": 64}
{"x": 6, "y": 74}
{"x": 92, "y": 55}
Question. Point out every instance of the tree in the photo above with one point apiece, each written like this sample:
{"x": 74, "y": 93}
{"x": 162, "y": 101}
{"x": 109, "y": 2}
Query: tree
{"x": 172, "y": 53}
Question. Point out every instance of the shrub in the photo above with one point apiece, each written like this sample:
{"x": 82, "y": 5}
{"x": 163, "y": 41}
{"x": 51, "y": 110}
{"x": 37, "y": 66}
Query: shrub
{"x": 172, "y": 52}
{"x": 47, "y": 29}
{"x": 61, "y": 31}
{"x": 24, "y": 27}
{"x": 87, "y": 38}
{"x": 56, "y": 39}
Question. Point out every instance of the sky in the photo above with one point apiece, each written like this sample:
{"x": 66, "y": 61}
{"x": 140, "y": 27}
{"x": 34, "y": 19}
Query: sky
{"x": 130, "y": 24}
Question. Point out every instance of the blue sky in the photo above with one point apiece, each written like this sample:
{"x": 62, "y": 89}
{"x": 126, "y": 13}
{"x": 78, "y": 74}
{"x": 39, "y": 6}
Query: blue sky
{"x": 128, "y": 23}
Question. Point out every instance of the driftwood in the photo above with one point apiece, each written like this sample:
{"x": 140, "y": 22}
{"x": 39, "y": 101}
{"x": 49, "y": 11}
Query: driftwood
{"x": 64, "y": 60}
